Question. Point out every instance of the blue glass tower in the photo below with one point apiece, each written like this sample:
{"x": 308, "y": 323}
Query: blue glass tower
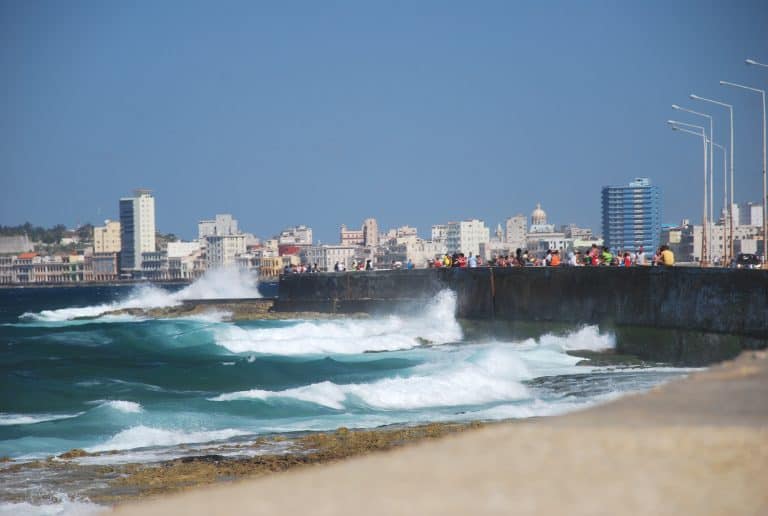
{"x": 632, "y": 216}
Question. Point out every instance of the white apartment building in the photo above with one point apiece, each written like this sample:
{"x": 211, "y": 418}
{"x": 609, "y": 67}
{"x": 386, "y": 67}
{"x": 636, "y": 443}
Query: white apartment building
{"x": 748, "y": 214}
{"x": 516, "y": 232}
{"x": 222, "y": 224}
{"x": 223, "y": 249}
{"x": 137, "y": 228}
{"x": 179, "y": 249}
{"x": 296, "y": 235}
{"x": 439, "y": 232}
{"x": 466, "y": 237}
{"x": 106, "y": 238}
{"x": 747, "y": 239}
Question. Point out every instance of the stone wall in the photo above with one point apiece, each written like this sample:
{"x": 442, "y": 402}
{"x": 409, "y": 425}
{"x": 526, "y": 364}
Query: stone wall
{"x": 733, "y": 302}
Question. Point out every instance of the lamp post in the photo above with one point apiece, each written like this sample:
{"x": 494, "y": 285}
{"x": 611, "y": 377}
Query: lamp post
{"x": 765, "y": 189}
{"x": 725, "y": 182}
{"x": 730, "y": 206}
{"x": 676, "y": 127}
{"x": 711, "y": 168}
{"x": 765, "y": 197}
{"x": 755, "y": 63}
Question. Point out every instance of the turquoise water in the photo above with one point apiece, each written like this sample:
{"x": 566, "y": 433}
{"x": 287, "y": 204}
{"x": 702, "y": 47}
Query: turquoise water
{"x": 143, "y": 388}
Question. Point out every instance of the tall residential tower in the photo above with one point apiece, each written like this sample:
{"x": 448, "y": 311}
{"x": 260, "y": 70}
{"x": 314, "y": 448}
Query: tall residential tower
{"x": 632, "y": 216}
{"x": 137, "y": 228}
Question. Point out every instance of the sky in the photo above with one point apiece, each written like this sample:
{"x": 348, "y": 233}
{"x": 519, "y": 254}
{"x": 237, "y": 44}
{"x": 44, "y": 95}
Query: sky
{"x": 326, "y": 113}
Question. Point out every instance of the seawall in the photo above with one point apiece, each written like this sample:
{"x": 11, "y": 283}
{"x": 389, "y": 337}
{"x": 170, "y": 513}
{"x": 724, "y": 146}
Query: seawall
{"x": 682, "y": 314}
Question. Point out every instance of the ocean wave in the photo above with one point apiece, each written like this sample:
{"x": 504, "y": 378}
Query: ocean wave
{"x": 434, "y": 325}
{"x": 145, "y": 436}
{"x": 224, "y": 283}
{"x": 491, "y": 376}
{"x": 7, "y": 419}
{"x": 127, "y": 407}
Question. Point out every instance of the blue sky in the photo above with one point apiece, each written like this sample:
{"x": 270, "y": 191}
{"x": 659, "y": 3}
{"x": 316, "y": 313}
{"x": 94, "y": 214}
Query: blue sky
{"x": 330, "y": 112}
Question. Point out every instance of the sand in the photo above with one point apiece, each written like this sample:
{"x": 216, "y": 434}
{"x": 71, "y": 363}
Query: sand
{"x": 694, "y": 446}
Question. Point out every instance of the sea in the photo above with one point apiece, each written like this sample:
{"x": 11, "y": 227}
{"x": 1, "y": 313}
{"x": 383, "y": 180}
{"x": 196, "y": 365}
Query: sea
{"x": 147, "y": 390}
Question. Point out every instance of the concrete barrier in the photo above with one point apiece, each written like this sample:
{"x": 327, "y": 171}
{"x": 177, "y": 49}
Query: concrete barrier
{"x": 692, "y": 301}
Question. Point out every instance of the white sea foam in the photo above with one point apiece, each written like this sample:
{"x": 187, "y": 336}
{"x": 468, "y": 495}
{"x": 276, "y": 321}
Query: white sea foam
{"x": 434, "y": 325}
{"x": 486, "y": 376}
{"x": 128, "y": 407}
{"x": 144, "y": 436}
{"x": 63, "y": 506}
{"x": 221, "y": 283}
{"x": 7, "y": 419}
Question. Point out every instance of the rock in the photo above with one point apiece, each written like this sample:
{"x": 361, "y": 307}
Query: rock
{"x": 74, "y": 453}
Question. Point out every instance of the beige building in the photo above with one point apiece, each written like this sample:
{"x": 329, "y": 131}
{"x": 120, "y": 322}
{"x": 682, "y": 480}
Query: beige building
{"x": 351, "y": 237}
{"x": 370, "y": 233}
{"x": 106, "y": 238}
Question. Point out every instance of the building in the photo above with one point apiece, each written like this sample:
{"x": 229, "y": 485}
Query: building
{"x": 222, "y": 250}
{"x": 466, "y": 237}
{"x": 295, "y": 236}
{"x": 179, "y": 249}
{"x": 351, "y": 237}
{"x": 748, "y": 214}
{"x": 746, "y": 239}
{"x": 632, "y": 215}
{"x": 106, "y": 238}
{"x": 222, "y": 224}
{"x": 137, "y": 228}
{"x": 370, "y": 233}
{"x": 516, "y": 232}
{"x": 439, "y": 232}
{"x": 15, "y": 244}
{"x": 326, "y": 256}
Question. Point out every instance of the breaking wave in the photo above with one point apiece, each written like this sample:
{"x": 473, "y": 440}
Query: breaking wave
{"x": 145, "y": 436}
{"x": 31, "y": 419}
{"x": 488, "y": 376}
{"x": 435, "y": 325}
{"x": 224, "y": 283}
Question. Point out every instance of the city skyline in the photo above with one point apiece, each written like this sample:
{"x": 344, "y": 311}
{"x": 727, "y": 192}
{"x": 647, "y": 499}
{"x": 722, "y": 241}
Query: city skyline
{"x": 414, "y": 116}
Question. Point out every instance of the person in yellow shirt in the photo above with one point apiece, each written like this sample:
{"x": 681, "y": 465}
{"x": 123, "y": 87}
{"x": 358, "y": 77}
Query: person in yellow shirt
{"x": 667, "y": 257}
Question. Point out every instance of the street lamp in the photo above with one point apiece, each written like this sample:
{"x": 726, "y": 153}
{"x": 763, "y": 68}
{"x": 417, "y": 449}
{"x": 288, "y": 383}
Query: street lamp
{"x": 755, "y": 63}
{"x": 765, "y": 189}
{"x": 711, "y": 167}
{"x": 676, "y": 127}
{"x": 725, "y": 183}
{"x": 730, "y": 206}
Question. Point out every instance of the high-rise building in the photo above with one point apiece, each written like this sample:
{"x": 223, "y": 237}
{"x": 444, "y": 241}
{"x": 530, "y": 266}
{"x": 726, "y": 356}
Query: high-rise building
{"x": 466, "y": 236}
{"x": 137, "y": 228}
{"x": 632, "y": 216}
{"x": 106, "y": 238}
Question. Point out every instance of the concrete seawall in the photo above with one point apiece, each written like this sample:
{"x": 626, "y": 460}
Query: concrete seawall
{"x": 674, "y": 314}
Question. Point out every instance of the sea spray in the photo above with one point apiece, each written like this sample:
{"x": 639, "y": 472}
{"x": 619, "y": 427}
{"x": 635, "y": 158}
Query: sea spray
{"x": 435, "y": 324}
{"x": 222, "y": 283}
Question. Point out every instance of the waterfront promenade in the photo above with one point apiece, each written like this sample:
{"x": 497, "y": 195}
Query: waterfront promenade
{"x": 696, "y": 446}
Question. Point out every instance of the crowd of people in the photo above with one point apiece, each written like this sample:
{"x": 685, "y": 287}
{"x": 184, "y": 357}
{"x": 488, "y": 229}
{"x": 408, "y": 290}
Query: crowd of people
{"x": 594, "y": 257}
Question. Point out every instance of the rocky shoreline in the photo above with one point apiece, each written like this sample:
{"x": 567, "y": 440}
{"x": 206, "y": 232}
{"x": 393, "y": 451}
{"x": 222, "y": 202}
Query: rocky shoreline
{"x": 116, "y": 484}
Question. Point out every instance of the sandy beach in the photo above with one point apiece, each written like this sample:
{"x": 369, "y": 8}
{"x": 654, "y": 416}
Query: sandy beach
{"x": 695, "y": 446}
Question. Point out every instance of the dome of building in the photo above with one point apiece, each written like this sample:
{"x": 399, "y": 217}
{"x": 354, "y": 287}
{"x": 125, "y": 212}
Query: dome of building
{"x": 538, "y": 216}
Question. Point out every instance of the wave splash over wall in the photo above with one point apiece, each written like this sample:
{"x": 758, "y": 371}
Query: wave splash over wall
{"x": 434, "y": 325}
{"x": 223, "y": 283}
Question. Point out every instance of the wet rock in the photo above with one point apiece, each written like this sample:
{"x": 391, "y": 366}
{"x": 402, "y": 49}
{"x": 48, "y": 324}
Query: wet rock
{"x": 73, "y": 454}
